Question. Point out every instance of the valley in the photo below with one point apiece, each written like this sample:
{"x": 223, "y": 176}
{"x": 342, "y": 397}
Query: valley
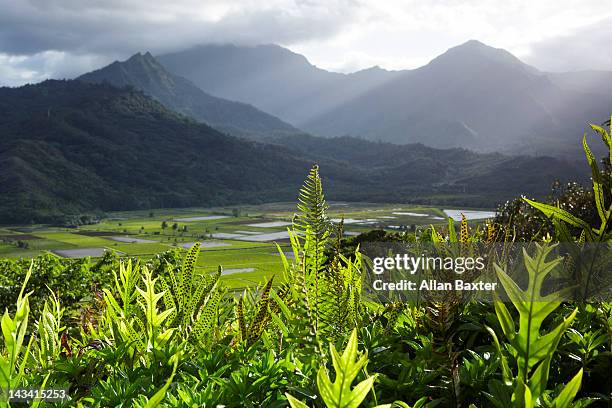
{"x": 242, "y": 240}
{"x": 72, "y": 148}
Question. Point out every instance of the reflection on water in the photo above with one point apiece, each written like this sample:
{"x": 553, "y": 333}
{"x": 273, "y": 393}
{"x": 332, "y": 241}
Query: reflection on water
{"x": 469, "y": 214}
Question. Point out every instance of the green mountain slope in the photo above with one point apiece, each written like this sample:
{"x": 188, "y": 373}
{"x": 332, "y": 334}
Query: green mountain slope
{"x": 143, "y": 72}
{"x": 70, "y": 147}
{"x": 479, "y": 178}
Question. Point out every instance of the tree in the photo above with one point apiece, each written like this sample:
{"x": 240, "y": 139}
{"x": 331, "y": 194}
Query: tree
{"x": 164, "y": 225}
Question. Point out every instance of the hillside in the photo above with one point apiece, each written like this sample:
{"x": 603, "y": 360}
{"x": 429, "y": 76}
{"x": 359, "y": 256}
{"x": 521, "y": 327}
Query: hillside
{"x": 271, "y": 78}
{"x": 478, "y": 177}
{"x": 473, "y": 96}
{"x": 70, "y": 147}
{"x": 143, "y": 72}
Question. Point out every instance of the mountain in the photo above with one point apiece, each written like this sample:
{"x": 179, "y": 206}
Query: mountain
{"x": 272, "y": 78}
{"x": 435, "y": 175}
{"x": 472, "y": 96}
{"x": 593, "y": 82}
{"x": 143, "y": 72}
{"x": 71, "y": 147}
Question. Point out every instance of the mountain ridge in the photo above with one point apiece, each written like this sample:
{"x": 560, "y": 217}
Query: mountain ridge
{"x": 472, "y": 96}
{"x": 143, "y": 72}
{"x": 259, "y": 72}
{"x": 71, "y": 147}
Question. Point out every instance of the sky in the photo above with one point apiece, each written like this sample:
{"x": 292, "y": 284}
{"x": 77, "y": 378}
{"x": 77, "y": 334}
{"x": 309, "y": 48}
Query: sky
{"x": 42, "y": 39}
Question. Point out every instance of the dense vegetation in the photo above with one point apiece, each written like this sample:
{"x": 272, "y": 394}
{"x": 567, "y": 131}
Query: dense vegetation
{"x": 70, "y": 147}
{"x": 143, "y": 72}
{"x": 160, "y": 334}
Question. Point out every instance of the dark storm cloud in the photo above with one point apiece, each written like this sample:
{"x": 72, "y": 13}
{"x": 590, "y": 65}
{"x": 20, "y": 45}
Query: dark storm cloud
{"x": 30, "y": 27}
{"x": 62, "y": 38}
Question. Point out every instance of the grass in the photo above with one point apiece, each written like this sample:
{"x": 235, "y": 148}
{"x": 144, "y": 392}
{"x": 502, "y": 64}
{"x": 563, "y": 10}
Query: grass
{"x": 74, "y": 239}
{"x": 262, "y": 256}
{"x": 264, "y": 259}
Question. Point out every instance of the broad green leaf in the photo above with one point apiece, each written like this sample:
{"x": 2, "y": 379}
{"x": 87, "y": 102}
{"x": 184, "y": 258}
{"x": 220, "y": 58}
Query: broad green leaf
{"x": 598, "y": 188}
{"x": 294, "y": 402}
{"x": 534, "y": 349}
{"x": 452, "y": 233}
{"x": 561, "y": 214}
{"x": 567, "y": 395}
{"x": 339, "y": 393}
{"x": 159, "y": 396}
{"x": 506, "y": 373}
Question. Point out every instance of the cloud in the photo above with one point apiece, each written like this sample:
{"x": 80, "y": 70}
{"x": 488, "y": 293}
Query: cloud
{"x": 408, "y": 33}
{"x": 583, "y": 49}
{"x": 62, "y": 38}
{"x": 96, "y": 26}
{"x": 22, "y": 69}
{"x": 40, "y": 39}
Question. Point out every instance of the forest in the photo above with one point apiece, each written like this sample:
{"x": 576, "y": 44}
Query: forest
{"x": 146, "y": 333}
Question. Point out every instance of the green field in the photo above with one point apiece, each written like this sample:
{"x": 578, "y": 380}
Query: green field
{"x": 235, "y": 242}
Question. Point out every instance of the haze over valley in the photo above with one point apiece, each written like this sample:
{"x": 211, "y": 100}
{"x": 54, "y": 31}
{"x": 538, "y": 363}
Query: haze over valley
{"x": 473, "y": 96}
{"x": 217, "y": 119}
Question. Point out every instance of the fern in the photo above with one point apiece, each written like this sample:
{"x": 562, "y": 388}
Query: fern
{"x": 13, "y": 357}
{"x": 313, "y": 225}
{"x": 48, "y": 329}
{"x": 561, "y": 217}
{"x": 295, "y": 305}
{"x": 194, "y": 298}
{"x": 263, "y": 311}
{"x": 122, "y": 313}
{"x": 339, "y": 393}
{"x": 604, "y": 211}
{"x": 534, "y": 350}
{"x": 157, "y": 337}
{"x": 312, "y": 206}
{"x": 341, "y": 309}
{"x": 262, "y": 315}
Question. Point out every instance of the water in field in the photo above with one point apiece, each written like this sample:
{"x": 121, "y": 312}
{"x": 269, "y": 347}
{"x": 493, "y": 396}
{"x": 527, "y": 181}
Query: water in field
{"x": 271, "y": 224}
{"x": 272, "y": 236}
{"x": 226, "y": 235}
{"x": 365, "y": 221}
{"x": 79, "y": 253}
{"x": 202, "y": 218}
{"x": 130, "y": 240}
{"x": 205, "y": 244}
{"x": 411, "y": 214}
{"x": 469, "y": 214}
{"x": 236, "y": 270}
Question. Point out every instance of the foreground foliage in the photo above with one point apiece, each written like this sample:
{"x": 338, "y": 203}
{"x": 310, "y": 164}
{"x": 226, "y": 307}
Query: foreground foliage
{"x": 162, "y": 334}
